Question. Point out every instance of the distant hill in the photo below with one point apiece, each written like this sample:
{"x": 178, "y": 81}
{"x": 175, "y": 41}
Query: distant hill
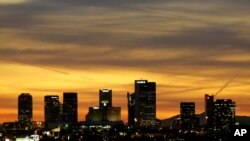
{"x": 168, "y": 121}
{"x": 242, "y": 120}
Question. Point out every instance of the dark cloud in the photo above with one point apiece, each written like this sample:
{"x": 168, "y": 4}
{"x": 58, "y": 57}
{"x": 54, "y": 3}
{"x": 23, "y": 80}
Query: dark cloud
{"x": 216, "y": 38}
{"x": 205, "y": 45}
{"x": 147, "y": 26}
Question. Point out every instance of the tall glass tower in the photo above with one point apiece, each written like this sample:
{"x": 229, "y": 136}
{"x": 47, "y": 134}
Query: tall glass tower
{"x": 25, "y": 108}
{"x": 52, "y": 111}
{"x": 105, "y": 98}
{"x": 70, "y": 112}
{"x": 144, "y": 99}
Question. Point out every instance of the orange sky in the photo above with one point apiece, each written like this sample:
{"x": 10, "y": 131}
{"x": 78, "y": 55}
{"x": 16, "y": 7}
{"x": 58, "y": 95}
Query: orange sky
{"x": 171, "y": 89}
{"x": 188, "y": 48}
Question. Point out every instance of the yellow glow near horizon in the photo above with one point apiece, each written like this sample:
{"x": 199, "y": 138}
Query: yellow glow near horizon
{"x": 171, "y": 89}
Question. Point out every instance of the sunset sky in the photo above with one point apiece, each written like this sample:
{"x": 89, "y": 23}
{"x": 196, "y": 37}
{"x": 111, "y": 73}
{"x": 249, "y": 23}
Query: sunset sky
{"x": 188, "y": 47}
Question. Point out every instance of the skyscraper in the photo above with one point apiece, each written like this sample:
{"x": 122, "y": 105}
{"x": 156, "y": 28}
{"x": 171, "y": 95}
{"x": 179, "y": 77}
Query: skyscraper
{"x": 187, "y": 114}
{"x": 224, "y": 113}
{"x": 105, "y": 98}
{"x": 209, "y": 110}
{"x": 220, "y": 113}
{"x": 52, "y": 111}
{"x": 25, "y": 108}
{"x": 105, "y": 112}
{"x": 70, "y": 112}
{"x": 144, "y": 103}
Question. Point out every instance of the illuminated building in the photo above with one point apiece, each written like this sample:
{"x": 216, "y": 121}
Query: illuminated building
{"x": 105, "y": 112}
{"x": 142, "y": 104}
{"x": 94, "y": 115}
{"x": 113, "y": 114}
{"x": 38, "y": 124}
{"x": 105, "y": 98}
{"x": 224, "y": 113}
{"x": 25, "y": 108}
{"x": 187, "y": 114}
{"x": 52, "y": 111}
{"x": 69, "y": 109}
{"x": 98, "y": 114}
{"x": 220, "y": 113}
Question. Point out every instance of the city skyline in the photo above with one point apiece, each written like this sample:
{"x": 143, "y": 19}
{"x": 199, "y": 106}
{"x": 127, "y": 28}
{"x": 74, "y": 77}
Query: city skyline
{"x": 104, "y": 121}
{"x": 142, "y": 87}
{"x": 190, "y": 48}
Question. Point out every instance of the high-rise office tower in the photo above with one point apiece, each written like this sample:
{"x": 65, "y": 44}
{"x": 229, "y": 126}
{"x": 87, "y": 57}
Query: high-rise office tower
{"x": 105, "y": 98}
{"x": 105, "y": 112}
{"x": 69, "y": 109}
{"x": 209, "y": 110}
{"x": 52, "y": 111}
{"x": 187, "y": 114}
{"x": 144, "y": 103}
{"x": 220, "y": 113}
{"x": 24, "y": 108}
{"x": 224, "y": 113}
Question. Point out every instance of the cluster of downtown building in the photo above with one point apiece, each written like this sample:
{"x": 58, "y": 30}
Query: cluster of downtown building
{"x": 219, "y": 114}
{"x": 66, "y": 114}
{"x": 141, "y": 108}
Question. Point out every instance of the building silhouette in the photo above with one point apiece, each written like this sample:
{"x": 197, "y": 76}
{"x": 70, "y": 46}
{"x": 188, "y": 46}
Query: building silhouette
{"x": 105, "y": 98}
{"x": 52, "y": 111}
{"x": 187, "y": 115}
{"x": 219, "y": 113}
{"x": 209, "y": 110}
{"x": 25, "y": 112}
{"x": 144, "y": 107}
{"x": 224, "y": 113}
{"x": 105, "y": 112}
{"x": 70, "y": 108}
{"x": 99, "y": 114}
{"x": 131, "y": 108}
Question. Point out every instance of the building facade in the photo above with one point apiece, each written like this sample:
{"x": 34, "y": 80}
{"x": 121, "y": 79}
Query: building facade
{"x": 52, "y": 111}
{"x": 219, "y": 113}
{"x": 70, "y": 108}
{"x": 142, "y": 104}
{"x": 25, "y": 109}
{"x": 224, "y": 113}
{"x": 105, "y": 112}
{"x": 98, "y": 114}
{"x": 209, "y": 110}
{"x": 187, "y": 115}
{"x": 105, "y": 98}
